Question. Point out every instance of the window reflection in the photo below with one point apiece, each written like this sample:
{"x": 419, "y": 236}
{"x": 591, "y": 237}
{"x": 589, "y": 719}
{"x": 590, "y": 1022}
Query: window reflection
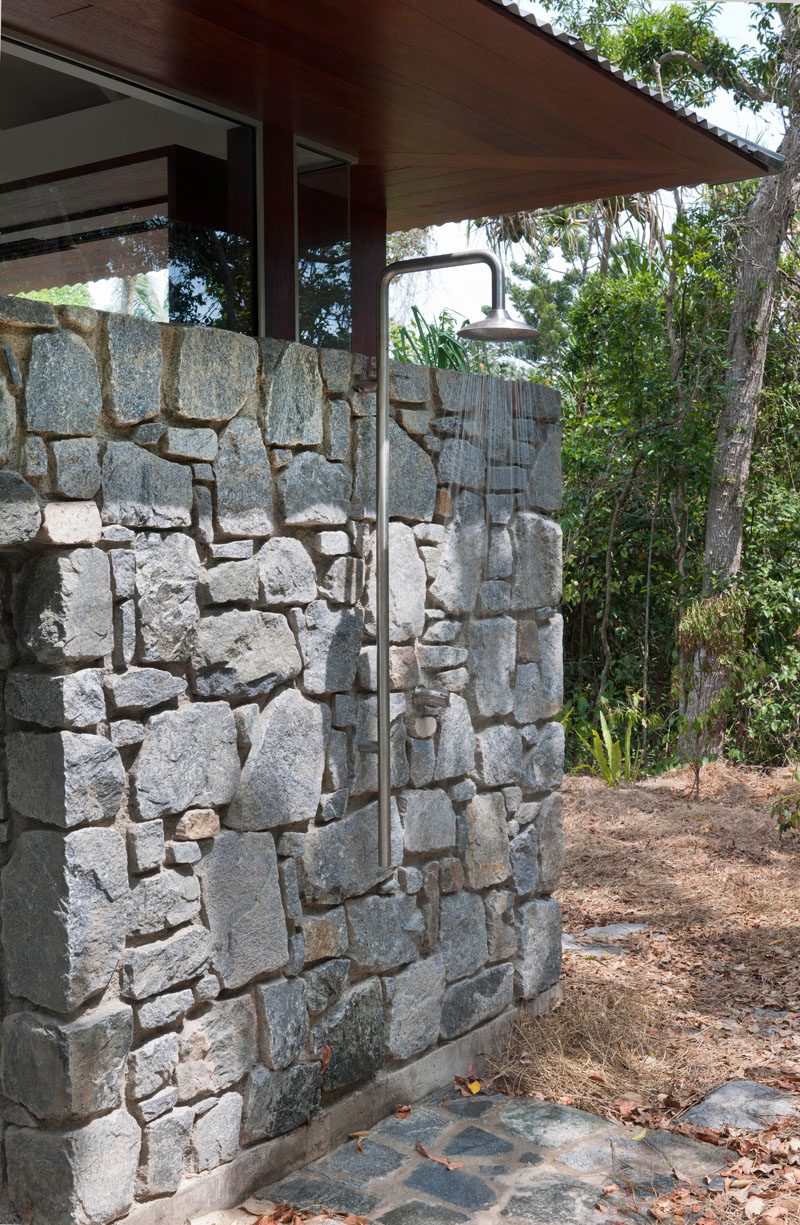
{"x": 324, "y": 267}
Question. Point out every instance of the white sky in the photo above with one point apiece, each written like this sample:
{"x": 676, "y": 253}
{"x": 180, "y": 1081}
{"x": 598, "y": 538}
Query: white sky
{"x": 465, "y": 291}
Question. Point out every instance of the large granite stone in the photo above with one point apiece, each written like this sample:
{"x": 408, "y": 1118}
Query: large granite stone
{"x": 277, "y": 1102}
{"x": 167, "y": 570}
{"x": 143, "y": 490}
{"x": 63, "y": 390}
{"x": 544, "y": 768}
{"x": 493, "y": 644}
{"x": 501, "y": 931}
{"x": 407, "y": 587}
{"x": 416, "y": 1213}
{"x": 152, "y": 1065}
{"x": 544, "y": 475}
{"x": 286, "y": 573}
{"x": 455, "y": 753}
{"x": 164, "y": 1144}
{"x": 304, "y": 1192}
{"x": 461, "y": 463}
{"x": 283, "y": 1020}
{"x": 215, "y": 1137}
{"x": 244, "y": 500}
{"x": 414, "y": 1007}
{"x": 548, "y": 1125}
{"x": 486, "y": 858}
{"x": 80, "y": 1177}
{"x": 134, "y": 372}
{"x": 58, "y": 1069}
{"x": 19, "y": 313}
{"x": 742, "y": 1103}
{"x": 555, "y": 1200}
{"x": 412, "y": 480}
{"x": 366, "y": 772}
{"x": 293, "y": 411}
{"x": 242, "y": 652}
{"x": 525, "y": 861}
{"x": 385, "y": 932}
{"x": 188, "y": 760}
{"x": 461, "y": 569}
{"x": 282, "y": 778}
{"x": 462, "y": 934}
{"x": 361, "y": 1161}
{"x": 217, "y": 1047}
{"x": 231, "y": 582}
{"x": 164, "y": 900}
{"x": 455, "y": 1186}
{"x": 473, "y": 1000}
{"x": 537, "y": 573}
{"x": 73, "y": 700}
{"x": 72, "y": 891}
{"x": 540, "y": 946}
{"x": 340, "y": 859}
{"x": 330, "y": 641}
{"x": 539, "y": 689}
{"x": 550, "y": 829}
{"x": 242, "y": 903}
{"x": 429, "y": 822}
{"x": 499, "y": 756}
{"x": 325, "y": 982}
{"x": 77, "y": 468}
{"x": 20, "y": 515}
{"x": 215, "y": 373}
{"x": 150, "y": 969}
{"x": 140, "y": 689}
{"x": 354, "y": 1031}
{"x": 64, "y": 608}
{"x": 64, "y": 778}
{"x": 8, "y": 421}
{"x": 315, "y": 492}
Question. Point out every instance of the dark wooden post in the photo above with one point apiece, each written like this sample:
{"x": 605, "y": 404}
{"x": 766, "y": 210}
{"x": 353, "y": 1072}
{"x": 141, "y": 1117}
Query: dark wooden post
{"x": 368, "y": 241}
{"x": 280, "y": 284}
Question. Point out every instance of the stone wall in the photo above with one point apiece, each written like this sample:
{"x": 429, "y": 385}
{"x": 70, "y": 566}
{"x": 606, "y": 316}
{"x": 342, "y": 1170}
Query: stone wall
{"x": 199, "y": 947}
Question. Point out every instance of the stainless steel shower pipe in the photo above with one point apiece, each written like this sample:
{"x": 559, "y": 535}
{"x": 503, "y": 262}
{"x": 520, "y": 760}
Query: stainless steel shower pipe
{"x": 510, "y": 330}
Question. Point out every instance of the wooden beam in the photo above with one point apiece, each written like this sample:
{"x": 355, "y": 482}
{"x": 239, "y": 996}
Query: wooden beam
{"x": 368, "y": 246}
{"x": 280, "y": 286}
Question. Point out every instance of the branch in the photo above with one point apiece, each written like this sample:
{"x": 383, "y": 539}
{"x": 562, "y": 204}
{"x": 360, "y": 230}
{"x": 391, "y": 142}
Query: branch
{"x": 683, "y": 57}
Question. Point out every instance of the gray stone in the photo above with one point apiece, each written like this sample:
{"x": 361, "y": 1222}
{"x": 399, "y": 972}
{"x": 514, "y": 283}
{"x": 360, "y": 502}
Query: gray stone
{"x": 486, "y": 859}
{"x": 336, "y": 366}
{"x": 197, "y": 823}
{"x": 337, "y": 430}
{"x": 331, "y": 544}
{"x": 151, "y": 1066}
{"x": 231, "y": 550}
{"x": 495, "y": 596}
{"x": 125, "y": 732}
{"x": 142, "y": 688}
{"x": 293, "y": 413}
{"x": 74, "y": 700}
{"x": 417, "y": 1213}
{"x": 72, "y": 890}
{"x": 456, "y": 750}
{"x": 216, "y": 372}
{"x": 544, "y": 768}
{"x": 242, "y": 652}
{"x": 164, "y": 1144}
{"x": 548, "y": 1125}
{"x": 501, "y": 932}
{"x": 200, "y": 443}
{"x": 58, "y": 1069}
{"x": 80, "y": 1177}
{"x": 8, "y": 418}
{"x": 500, "y": 559}
{"x": 461, "y": 463}
{"x": 145, "y": 846}
{"x": 188, "y": 760}
{"x": 164, "y": 900}
{"x": 124, "y": 634}
{"x": 330, "y": 640}
{"x": 203, "y": 472}
{"x": 343, "y": 581}
{"x": 286, "y": 573}
{"x": 282, "y": 778}
{"x": 554, "y": 1200}
{"x": 63, "y": 391}
{"x": 421, "y": 762}
{"x": 429, "y": 822}
{"x": 70, "y": 523}
{"x": 460, "y": 572}
{"x": 422, "y": 1124}
{"x": 123, "y": 573}
{"x": 539, "y": 689}
{"x": 540, "y": 947}
{"x": 246, "y": 719}
{"x": 366, "y": 777}
{"x": 244, "y": 500}
{"x": 242, "y": 903}
{"x": 455, "y": 1186}
{"x": 525, "y": 861}
{"x": 403, "y": 670}
{"x": 385, "y": 932}
{"x": 344, "y": 710}
{"x": 442, "y": 631}
{"x": 499, "y": 755}
{"x": 64, "y": 778}
{"x": 164, "y": 1010}
{"x": 217, "y": 1047}
{"x": 316, "y": 1192}
{"x": 462, "y": 934}
{"x": 149, "y": 969}
{"x": 473, "y": 1000}
{"x": 153, "y": 1107}
{"x": 34, "y": 457}
{"x": 215, "y": 1138}
{"x": 414, "y": 1007}
{"x": 544, "y": 477}
{"x": 203, "y": 514}
{"x": 361, "y": 1161}
{"x": 537, "y": 574}
{"x": 493, "y": 645}
{"x": 277, "y": 1102}
{"x": 550, "y": 829}
{"x": 315, "y": 493}
{"x": 290, "y": 893}
{"x": 167, "y": 569}
{"x": 325, "y": 982}
{"x": 134, "y": 374}
{"x": 354, "y": 1030}
{"x": 336, "y": 764}
{"x": 412, "y": 480}
{"x": 63, "y": 606}
{"x": 436, "y": 656}
{"x": 77, "y": 469}
{"x": 742, "y": 1103}
{"x": 340, "y": 859}
{"x": 475, "y": 1142}
{"x": 325, "y": 935}
{"x": 283, "y": 1020}
{"x": 149, "y": 434}
{"x": 18, "y": 313}
{"x": 206, "y": 988}
{"x": 143, "y": 490}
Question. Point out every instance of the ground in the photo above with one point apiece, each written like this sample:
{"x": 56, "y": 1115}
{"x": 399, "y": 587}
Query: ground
{"x": 584, "y": 1118}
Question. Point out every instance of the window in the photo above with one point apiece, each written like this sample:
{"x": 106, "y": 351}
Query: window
{"x": 114, "y": 197}
{"x": 323, "y": 249}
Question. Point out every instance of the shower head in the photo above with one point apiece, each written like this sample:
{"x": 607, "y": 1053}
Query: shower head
{"x": 497, "y": 325}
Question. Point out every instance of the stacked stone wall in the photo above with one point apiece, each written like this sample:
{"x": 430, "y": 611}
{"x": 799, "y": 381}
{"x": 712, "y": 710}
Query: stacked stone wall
{"x": 198, "y": 945}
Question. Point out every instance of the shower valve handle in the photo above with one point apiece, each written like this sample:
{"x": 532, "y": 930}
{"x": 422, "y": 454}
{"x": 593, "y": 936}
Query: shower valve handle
{"x": 432, "y": 699}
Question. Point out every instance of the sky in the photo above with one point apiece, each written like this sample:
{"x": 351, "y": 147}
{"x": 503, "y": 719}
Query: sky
{"x": 465, "y": 291}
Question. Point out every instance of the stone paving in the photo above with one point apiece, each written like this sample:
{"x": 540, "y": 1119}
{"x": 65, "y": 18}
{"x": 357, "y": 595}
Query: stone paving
{"x": 520, "y": 1161}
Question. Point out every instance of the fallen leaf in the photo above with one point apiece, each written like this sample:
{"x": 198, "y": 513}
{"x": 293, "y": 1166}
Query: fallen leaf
{"x": 445, "y": 1161}
{"x": 402, "y": 1112}
{"x": 754, "y": 1207}
{"x": 326, "y": 1058}
{"x": 474, "y": 1086}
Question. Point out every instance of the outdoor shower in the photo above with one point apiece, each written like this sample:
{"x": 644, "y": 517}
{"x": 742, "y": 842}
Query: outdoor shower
{"x": 497, "y": 325}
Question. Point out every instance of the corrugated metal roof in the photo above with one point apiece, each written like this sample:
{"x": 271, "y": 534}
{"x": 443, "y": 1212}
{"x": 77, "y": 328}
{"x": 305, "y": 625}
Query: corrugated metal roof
{"x": 771, "y": 159}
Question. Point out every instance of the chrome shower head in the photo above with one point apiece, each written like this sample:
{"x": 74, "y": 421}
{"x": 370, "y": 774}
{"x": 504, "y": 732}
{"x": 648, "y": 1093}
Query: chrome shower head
{"x": 497, "y": 325}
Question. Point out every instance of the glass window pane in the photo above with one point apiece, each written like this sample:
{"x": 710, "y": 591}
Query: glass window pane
{"x": 324, "y": 266}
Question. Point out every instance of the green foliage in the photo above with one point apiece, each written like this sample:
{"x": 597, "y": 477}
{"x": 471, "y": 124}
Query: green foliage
{"x": 62, "y": 295}
{"x": 431, "y": 344}
{"x": 786, "y": 809}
